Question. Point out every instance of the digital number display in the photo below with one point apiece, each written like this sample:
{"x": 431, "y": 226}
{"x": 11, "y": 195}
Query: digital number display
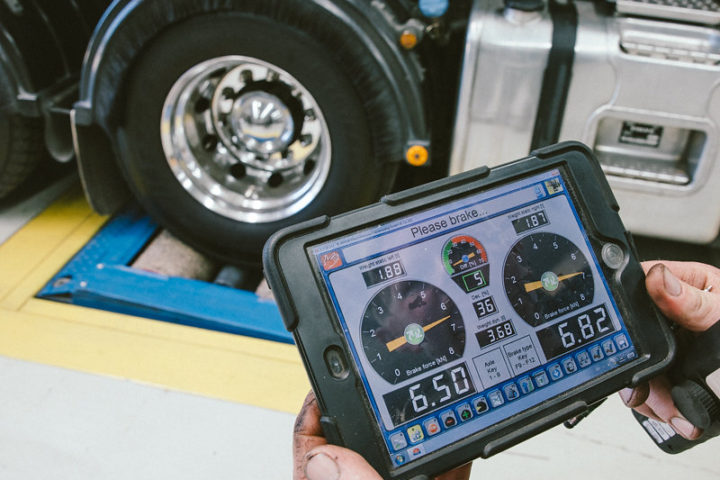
{"x": 473, "y": 280}
{"x": 485, "y": 307}
{"x": 493, "y": 334}
{"x": 429, "y": 394}
{"x": 529, "y": 222}
{"x": 575, "y": 331}
{"x": 383, "y": 273}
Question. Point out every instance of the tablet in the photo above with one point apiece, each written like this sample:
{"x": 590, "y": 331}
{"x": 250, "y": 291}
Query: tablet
{"x": 455, "y": 319}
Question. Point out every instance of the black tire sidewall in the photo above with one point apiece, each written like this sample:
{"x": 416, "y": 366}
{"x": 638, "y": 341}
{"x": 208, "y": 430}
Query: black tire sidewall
{"x": 355, "y": 178}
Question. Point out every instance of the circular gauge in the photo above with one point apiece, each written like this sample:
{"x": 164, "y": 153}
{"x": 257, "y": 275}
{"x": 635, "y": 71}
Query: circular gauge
{"x": 546, "y": 275}
{"x": 410, "y": 327}
{"x": 462, "y": 253}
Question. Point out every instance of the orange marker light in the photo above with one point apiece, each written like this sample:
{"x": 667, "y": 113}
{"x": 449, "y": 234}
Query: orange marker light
{"x": 417, "y": 155}
{"x": 408, "y": 40}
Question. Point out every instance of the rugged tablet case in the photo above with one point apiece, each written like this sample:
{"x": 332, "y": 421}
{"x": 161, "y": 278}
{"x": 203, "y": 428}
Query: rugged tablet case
{"x": 308, "y": 313}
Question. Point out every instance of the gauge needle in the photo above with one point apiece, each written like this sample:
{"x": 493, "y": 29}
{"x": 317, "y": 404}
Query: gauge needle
{"x": 529, "y": 287}
{"x": 400, "y": 341}
{"x": 462, "y": 260}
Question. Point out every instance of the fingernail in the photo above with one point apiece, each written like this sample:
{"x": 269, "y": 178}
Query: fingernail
{"x": 683, "y": 427}
{"x": 321, "y": 467}
{"x": 626, "y": 395}
{"x": 672, "y": 284}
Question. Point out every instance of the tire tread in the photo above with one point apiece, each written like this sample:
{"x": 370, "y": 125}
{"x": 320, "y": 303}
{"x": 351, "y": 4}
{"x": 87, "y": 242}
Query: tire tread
{"x": 23, "y": 152}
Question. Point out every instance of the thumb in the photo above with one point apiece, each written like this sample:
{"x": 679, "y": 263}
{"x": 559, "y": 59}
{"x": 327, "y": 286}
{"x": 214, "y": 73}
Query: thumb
{"x": 689, "y": 307}
{"x": 330, "y": 462}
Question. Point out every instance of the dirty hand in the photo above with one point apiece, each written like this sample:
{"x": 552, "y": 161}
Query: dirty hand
{"x": 688, "y": 294}
{"x": 314, "y": 459}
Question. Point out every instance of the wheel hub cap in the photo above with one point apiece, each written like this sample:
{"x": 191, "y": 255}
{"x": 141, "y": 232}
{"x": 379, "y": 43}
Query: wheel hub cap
{"x": 263, "y": 122}
{"x": 246, "y": 139}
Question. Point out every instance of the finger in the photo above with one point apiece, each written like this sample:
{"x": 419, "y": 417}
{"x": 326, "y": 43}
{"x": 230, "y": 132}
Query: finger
{"x": 647, "y": 411}
{"x": 634, "y": 397}
{"x": 661, "y": 403}
{"x": 459, "y": 473}
{"x": 308, "y": 420}
{"x": 307, "y": 435}
{"x": 330, "y": 462}
{"x": 688, "y": 306}
{"x": 699, "y": 275}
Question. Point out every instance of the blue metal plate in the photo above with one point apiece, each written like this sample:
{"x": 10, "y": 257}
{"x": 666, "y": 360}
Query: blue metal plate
{"x": 98, "y": 276}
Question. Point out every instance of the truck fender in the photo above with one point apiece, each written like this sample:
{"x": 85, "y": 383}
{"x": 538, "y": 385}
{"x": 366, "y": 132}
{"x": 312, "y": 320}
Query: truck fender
{"x": 128, "y": 25}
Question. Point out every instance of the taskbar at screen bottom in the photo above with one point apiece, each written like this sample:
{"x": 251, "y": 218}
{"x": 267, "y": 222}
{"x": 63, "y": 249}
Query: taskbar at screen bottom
{"x": 435, "y": 431}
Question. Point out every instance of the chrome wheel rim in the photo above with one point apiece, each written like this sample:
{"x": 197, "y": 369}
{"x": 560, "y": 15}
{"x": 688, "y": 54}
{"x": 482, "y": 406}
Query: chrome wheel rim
{"x": 245, "y": 139}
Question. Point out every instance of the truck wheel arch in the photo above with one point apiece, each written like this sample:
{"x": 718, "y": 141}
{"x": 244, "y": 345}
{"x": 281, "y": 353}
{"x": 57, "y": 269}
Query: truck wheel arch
{"x": 128, "y": 27}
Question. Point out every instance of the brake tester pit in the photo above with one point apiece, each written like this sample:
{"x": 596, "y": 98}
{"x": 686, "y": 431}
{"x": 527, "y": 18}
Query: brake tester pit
{"x": 91, "y": 393}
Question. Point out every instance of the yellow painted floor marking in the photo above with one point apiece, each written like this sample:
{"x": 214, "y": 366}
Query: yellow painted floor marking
{"x": 219, "y": 365}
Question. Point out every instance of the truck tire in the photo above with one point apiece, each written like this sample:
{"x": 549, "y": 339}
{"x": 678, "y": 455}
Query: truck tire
{"x": 237, "y": 125}
{"x": 21, "y": 142}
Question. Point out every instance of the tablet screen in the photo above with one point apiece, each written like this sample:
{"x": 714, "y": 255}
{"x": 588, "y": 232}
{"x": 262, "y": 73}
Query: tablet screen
{"x": 462, "y": 315}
